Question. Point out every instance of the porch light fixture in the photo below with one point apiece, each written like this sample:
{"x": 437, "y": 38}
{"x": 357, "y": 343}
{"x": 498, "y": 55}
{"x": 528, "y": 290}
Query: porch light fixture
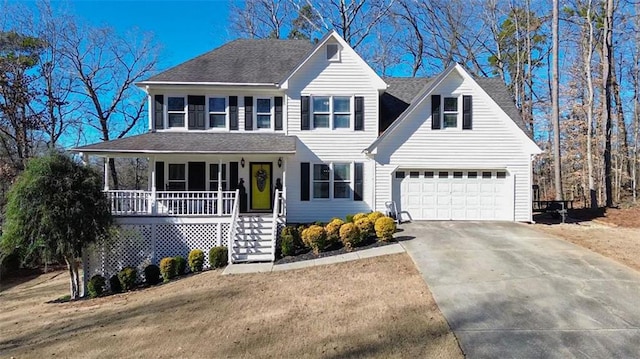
{"x": 279, "y": 162}
{"x": 242, "y": 162}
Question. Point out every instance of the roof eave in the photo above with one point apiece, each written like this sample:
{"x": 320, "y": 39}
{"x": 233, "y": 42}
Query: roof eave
{"x": 205, "y": 83}
{"x": 168, "y": 152}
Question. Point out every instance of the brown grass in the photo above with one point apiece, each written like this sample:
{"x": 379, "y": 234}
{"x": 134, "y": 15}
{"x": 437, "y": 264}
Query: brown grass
{"x": 378, "y": 307}
{"x": 618, "y": 243}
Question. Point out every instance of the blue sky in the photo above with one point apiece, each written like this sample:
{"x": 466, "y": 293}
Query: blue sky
{"x": 184, "y": 29}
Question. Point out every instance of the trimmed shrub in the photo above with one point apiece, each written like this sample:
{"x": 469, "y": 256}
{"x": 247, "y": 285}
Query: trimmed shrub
{"x": 348, "y": 218}
{"x": 218, "y": 257}
{"x": 96, "y": 285}
{"x": 315, "y": 237}
{"x": 152, "y": 274}
{"x": 114, "y": 284}
{"x": 167, "y": 268}
{"x": 350, "y": 235}
{"x": 181, "y": 265}
{"x": 287, "y": 245}
{"x": 357, "y": 216}
{"x": 373, "y": 216}
{"x": 196, "y": 260}
{"x": 333, "y": 230}
{"x": 366, "y": 227}
{"x": 385, "y": 228}
{"x": 128, "y": 277}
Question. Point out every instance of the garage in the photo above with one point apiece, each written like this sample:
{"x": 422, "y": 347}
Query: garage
{"x": 440, "y": 194}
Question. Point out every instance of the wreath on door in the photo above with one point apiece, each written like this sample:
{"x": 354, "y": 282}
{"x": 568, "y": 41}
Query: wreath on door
{"x": 261, "y": 179}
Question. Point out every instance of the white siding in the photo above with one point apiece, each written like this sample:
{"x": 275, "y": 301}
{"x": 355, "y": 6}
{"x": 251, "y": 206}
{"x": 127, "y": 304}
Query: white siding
{"x": 321, "y": 77}
{"x": 492, "y": 144}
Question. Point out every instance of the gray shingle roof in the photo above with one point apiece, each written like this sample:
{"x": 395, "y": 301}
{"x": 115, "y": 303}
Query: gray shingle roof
{"x": 196, "y": 142}
{"x": 402, "y": 91}
{"x": 241, "y": 61}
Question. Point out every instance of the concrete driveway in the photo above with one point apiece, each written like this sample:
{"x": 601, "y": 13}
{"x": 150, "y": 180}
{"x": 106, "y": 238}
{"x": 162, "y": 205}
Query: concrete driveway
{"x": 509, "y": 291}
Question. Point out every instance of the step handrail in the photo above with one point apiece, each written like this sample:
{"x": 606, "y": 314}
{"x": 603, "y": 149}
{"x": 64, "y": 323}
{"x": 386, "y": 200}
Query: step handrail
{"x": 234, "y": 224}
{"x": 274, "y": 229}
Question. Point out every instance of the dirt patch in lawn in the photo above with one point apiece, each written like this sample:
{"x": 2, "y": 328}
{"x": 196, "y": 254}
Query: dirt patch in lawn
{"x": 618, "y": 243}
{"x": 378, "y": 307}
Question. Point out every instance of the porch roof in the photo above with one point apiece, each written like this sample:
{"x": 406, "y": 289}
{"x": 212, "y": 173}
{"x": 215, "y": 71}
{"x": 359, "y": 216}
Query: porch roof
{"x": 195, "y": 143}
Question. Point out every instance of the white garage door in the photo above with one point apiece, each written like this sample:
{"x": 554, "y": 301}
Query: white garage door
{"x": 453, "y": 194}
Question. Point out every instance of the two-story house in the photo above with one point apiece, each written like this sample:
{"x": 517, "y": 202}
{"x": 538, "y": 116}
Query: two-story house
{"x": 259, "y": 132}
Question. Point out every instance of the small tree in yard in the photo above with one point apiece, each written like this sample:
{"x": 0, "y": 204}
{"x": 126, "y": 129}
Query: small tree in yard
{"x": 54, "y": 209}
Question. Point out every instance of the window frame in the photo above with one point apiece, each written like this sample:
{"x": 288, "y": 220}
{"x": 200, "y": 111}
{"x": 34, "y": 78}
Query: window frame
{"x": 271, "y": 113}
{"x": 225, "y": 176}
{"x": 184, "y": 112}
{"x": 335, "y": 58}
{"x": 332, "y": 181}
{"x": 457, "y": 112}
{"x": 225, "y": 113}
{"x": 170, "y": 181}
{"x": 332, "y": 113}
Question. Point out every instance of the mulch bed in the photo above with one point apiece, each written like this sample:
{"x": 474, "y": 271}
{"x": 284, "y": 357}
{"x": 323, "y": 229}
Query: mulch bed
{"x": 337, "y": 249}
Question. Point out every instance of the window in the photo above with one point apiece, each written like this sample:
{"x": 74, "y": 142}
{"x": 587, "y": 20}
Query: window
{"x": 341, "y": 112}
{"x": 341, "y": 180}
{"x": 213, "y": 177}
{"x": 321, "y": 112}
{"x": 176, "y": 112}
{"x": 217, "y": 112}
{"x": 501, "y": 174}
{"x": 321, "y": 181}
{"x": 331, "y": 112}
{"x": 428, "y": 174}
{"x": 399, "y": 174}
{"x": 450, "y": 113}
{"x": 457, "y": 174}
{"x": 414, "y": 174}
{"x": 486, "y": 174}
{"x": 443, "y": 174}
{"x": 333, "y": 53}
{"x": 177, "y": 177}
{"x": 472, "y": 175}
{"x": 263, "y": 113}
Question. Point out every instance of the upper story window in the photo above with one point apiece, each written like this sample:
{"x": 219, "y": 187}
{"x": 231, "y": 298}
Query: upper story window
{"x": 333, "y": 52}
{"x": 217, "y": 112}
{"x": 450, "y": 113}
{"x": 176, "y": 111}
{"x": 263, "y": 113}
{"x": 331, "y": 111}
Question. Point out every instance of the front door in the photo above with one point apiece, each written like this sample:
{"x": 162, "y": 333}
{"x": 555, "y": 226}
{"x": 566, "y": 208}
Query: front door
{"x": 261, "y": 186}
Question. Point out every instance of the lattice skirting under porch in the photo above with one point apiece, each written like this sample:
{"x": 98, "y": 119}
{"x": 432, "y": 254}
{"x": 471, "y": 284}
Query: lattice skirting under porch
{"x": 140, "y": 241}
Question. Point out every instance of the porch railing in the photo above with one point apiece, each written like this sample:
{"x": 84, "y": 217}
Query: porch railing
{"x": 171, "y": 203}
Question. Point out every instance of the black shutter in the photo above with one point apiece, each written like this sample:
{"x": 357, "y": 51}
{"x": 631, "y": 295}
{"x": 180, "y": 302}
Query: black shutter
{"x": 359, "y": 123}
{"x": 435, "y": 112}
{"x": 248, "y": 113}
{"x": 233, "y": 112}
{"x": 278, "y": 112}
{"x": 160, "y": 176}
{"x": 358, "y": 182}
{"x": 467, "y": 112}
{"x": 233, "y": 176}
{"x": 196, "y": 112}
{"x": 305, "y": 172}
{"x": 158, "y": 109}
{"x": 304, "y": 113}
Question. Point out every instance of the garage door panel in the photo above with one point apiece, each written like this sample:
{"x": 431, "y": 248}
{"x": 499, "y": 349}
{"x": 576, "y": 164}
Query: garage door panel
{"x": 453, "y": 197}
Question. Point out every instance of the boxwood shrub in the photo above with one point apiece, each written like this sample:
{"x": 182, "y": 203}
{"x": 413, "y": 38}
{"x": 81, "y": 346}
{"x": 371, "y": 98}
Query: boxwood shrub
{"x": 152, "y": 274}
{"x": 167, "y": 268}
{"x": 128, "y": 276}
{"x": 114, "y": 284}
{"x": 181, "y": 265}
{"x": 385, "y": 228}
{"x": 315, "y": 237}
{"x": 196, "y": 260}
{"x": 218, "y": 257}
{"x": 96, "y": 285}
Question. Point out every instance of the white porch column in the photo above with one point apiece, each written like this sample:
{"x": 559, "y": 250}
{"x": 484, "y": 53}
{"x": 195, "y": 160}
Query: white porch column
{"x": 283, "y": 210}
{"x": 152, "y": 184}
{"x": 106, "y": 173}
{"x": 219, "y": 205}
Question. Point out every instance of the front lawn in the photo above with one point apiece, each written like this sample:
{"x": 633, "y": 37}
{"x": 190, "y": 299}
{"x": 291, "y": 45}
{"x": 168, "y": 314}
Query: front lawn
{"x": 378, "y": 307}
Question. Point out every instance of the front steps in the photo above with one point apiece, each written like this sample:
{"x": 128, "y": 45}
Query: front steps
{"x": 253, "y": 238}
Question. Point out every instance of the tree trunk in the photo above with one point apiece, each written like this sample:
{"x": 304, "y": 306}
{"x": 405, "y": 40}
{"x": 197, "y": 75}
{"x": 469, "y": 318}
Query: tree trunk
{"x": 72, "y": 267}
{"x": 588, "y": 51}
{"x": 606, "y": 80}
{"x": 622, "y": 127}
{"x": 555, "y": 111}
